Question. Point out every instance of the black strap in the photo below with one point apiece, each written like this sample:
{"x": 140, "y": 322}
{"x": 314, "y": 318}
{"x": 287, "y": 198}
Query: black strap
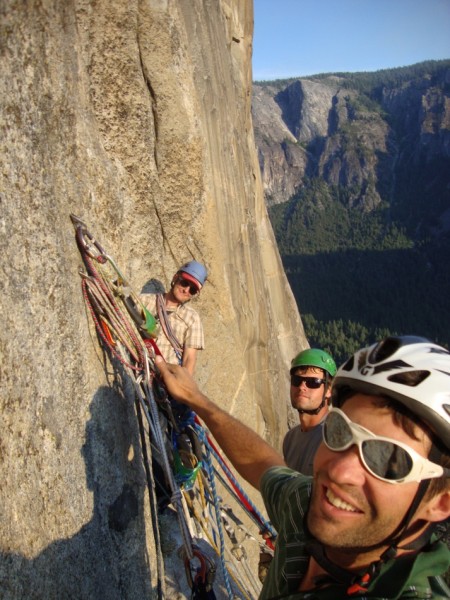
{"x": 317, "y": 551}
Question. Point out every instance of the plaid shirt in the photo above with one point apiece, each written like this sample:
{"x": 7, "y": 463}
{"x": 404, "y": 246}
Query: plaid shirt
{"x": 185, "y": 323}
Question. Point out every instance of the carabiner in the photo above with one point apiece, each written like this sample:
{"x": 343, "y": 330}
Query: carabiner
{"x": 205, "y": 573}
{"x": 86, "y": 245}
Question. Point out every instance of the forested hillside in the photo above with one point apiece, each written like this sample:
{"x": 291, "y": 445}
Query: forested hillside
{"x": 365, "y": 234}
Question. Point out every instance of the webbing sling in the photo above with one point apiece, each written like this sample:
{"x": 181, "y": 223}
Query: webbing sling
{"x": 167, "y": 327}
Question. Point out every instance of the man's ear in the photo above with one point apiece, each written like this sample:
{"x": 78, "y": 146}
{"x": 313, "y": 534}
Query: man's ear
{"x": 436, "y": 508}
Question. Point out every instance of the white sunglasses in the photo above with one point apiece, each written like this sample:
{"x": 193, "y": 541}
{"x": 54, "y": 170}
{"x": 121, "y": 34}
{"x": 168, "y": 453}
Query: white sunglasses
{"x": 385, "y": 458}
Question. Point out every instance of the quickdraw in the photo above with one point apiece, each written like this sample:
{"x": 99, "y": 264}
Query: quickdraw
{"x": 128, "y": 331}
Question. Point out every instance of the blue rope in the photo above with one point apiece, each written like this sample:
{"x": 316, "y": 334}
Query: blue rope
{"x": 226, "y": 484}
{"x": 210, "y": 472}
{"x": 262, "y": 521}
{"x": 257, "y": 517}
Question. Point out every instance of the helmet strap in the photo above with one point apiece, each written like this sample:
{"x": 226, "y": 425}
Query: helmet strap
{"x": 360, "y": 583}
{"x": 315, "y": 411}
{"x": 317, "y": 551}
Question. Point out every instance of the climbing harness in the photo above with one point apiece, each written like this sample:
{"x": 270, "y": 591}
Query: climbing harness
{"x": 174, "y": 442}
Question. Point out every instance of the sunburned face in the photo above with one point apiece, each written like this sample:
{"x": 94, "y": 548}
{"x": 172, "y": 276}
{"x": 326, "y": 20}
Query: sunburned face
{"x": 352, "y": 511}
{"x": 304, "y": 398}
{"x": 183, "y": 290}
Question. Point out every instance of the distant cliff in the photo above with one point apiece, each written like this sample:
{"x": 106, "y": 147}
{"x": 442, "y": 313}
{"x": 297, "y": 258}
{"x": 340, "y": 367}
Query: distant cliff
{"x": 356, "y": 174}
{"x": 384, "y": 137}
{"x": 136, "y": 117}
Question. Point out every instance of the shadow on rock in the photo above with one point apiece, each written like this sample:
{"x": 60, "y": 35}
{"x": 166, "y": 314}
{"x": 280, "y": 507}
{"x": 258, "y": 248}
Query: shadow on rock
{"x": 107, "y": 557}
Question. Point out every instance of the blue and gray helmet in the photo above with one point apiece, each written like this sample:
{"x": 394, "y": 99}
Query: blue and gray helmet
{"x": 195, "y": 272}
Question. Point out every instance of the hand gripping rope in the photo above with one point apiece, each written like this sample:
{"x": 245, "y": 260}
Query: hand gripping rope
{"x": 128, "y": 331}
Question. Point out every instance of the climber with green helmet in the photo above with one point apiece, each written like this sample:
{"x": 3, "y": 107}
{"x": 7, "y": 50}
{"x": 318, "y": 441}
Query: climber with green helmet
{"x": 311, "y": 373}
{"x": 181, "y": 330}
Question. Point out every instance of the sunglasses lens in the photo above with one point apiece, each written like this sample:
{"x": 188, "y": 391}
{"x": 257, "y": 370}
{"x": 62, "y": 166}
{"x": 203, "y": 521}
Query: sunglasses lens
{"x": 311, "y": 382}
{"x": 337, "y": 434}
{"x": 185, "y": 283}
{"x": 386, "y": 459}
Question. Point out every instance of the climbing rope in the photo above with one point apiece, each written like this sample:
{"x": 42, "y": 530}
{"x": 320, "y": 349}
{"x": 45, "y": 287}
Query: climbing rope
{"x": 167, "y": 327}
{"x": 236, "y": 489}
{"x": 120, "y": 336}
{"x": 182, "y": 448}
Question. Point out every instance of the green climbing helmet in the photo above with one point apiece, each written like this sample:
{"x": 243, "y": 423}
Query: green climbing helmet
{"x": 313, "y": 357}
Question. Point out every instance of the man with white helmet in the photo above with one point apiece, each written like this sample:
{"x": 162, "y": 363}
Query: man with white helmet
{"x": 181, "y": 330}
{"x": 312, "y": 372}
{"x": 365, "y": 525}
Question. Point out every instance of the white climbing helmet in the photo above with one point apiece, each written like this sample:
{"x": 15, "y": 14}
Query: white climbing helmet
{"x": 409, "y": 369}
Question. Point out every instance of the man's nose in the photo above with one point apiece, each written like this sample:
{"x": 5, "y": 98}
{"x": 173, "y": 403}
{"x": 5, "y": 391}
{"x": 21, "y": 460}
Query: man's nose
{"x": 346, "y": 467}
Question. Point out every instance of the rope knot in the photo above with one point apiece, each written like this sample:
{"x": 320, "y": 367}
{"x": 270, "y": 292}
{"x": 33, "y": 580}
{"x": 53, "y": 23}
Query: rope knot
{"x": 176, "y": 496}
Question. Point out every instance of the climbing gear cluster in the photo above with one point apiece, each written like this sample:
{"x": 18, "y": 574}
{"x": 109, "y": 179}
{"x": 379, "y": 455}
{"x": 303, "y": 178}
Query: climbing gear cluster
{"x": 182, "y": 463}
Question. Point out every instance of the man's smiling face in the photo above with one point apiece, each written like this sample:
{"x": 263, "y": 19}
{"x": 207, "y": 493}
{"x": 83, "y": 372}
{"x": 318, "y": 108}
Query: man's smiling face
{"x": 351, "y": 511}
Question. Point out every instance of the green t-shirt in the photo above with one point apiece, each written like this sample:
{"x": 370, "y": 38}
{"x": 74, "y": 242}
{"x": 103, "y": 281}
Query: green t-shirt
{"x": 286, "y": 494}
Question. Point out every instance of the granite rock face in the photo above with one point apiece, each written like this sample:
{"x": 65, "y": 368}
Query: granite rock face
{"x": 135, "y": 116}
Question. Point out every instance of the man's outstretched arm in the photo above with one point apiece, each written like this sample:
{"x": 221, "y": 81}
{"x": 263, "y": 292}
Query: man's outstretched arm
{"x": 250, "y": 455}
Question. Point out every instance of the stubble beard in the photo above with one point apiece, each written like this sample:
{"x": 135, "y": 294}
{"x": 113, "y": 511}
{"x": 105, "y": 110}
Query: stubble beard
{"x": 357, "y": 539}
{"x": 304, "y": 403}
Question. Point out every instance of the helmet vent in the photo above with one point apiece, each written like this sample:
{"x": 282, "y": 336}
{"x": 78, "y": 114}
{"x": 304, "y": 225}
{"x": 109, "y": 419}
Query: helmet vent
{"x": 410, "y": 378}
{"x": 390, "y": 345}
{"x": 384, "y": 349}
{"x": 348, "y": 365}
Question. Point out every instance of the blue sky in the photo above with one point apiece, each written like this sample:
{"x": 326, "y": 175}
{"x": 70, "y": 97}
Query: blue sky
{"x": 306, "y": 37}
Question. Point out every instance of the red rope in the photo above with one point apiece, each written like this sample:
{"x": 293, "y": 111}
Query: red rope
{"x": 101, "y": 332}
